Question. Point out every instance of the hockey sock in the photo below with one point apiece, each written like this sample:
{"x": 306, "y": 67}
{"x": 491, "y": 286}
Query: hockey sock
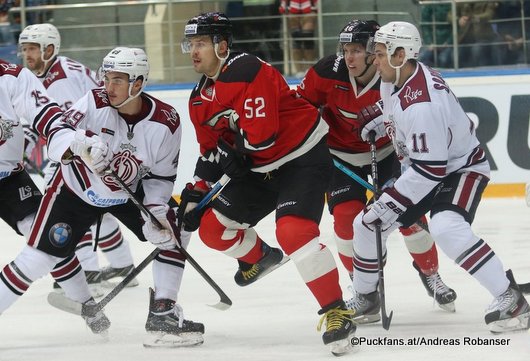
{"x": 343, "y": 215}
{"x": 314, "y": 261}
{"x": 168, "y": 268}
{"x": 85, "y": 253}
{"x": 455, "y": 237}
{"x": 111, "y": 242}
{"x": 71, "y": 277}
{"x": 421, "y": 247}
{"x": 230, "y": 237}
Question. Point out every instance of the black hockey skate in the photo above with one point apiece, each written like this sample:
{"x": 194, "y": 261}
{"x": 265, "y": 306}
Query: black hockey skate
{"x": 166, "y": 326}
{"x": 99, "y": 323}
{"x": 366, "y": 307}
{"x": 93, "y": 278}
{"x": 249, "y": 273}
{"x": 510, "y": 311}
{"x": 444, "y": 296}
{"x": 340, "y": 327}
{"x": 111, "y": 276}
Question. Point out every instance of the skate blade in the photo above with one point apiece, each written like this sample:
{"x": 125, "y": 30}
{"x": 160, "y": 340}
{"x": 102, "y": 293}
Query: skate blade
{"x": 343, "y": 347}
{"x": 166, "y": 340}
{"x": 365, "y": 319}
{"x": 113, "y": 282}
{"x": 449, "y": 307}
{"x": 519, "y": 323}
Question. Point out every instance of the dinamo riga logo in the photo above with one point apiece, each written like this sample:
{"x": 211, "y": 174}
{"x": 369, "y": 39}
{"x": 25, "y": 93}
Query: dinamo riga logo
{"x": 127, "y": 167}
{"x": 6, "y": 130}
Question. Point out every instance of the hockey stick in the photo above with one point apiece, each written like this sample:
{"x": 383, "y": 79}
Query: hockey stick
{"x": 386, "y": 319}
{"x": 77, "y": 308}
{"x": 368, "y": 186}
{"x": 524, "y": 287}
{"x": 33, "y": 166}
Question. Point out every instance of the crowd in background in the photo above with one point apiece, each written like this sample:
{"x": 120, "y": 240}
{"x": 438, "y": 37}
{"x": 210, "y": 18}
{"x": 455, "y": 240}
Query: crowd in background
{"x": 489, "y": 33}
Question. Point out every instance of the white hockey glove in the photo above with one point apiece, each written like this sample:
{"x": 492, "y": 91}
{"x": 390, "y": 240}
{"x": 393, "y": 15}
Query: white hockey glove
{"x": 386, "y": 209}
{"x": 371, "y": 119}
{"x": 31, "y": 137}
{"x": 92, "y": 150}
{"x": 162, "y": 238}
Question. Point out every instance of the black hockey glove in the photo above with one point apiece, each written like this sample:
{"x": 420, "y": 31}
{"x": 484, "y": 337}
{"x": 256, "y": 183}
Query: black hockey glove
{"x": 234, "y": 164}
{"x": 187, "y": 212}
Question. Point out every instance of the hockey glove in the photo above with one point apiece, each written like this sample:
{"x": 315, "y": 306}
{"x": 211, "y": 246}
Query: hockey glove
{"x": 371, "y": 119}
{"x": 31, "y": 137}
{"x": 164, "y": 238}
{"x": 386, "y": 209}
{"x": 92, "y": 150}
{"x": 234, "y": 164}
{"x": 190, "y": 217}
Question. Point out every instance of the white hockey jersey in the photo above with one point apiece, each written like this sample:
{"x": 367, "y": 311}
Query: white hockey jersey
{"x": 146, "y": 148}
{"x": 68, "y": 80}
{"x": 22, "y": 95}
{"x": 432, "y": 135}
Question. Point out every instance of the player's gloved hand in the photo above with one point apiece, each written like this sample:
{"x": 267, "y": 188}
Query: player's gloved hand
{"x": 92, "y": 150}
{"x": 190, "y": 217}
{"x": 371, "y": 119}
{"x": 31, "y": 137}
{"x": 234, "y": 164}
{"x": 162, "y": 238}
{"x": 386, "y": 209}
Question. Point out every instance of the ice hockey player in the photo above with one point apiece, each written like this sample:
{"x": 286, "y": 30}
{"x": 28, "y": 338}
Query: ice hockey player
{"x": 445, "y": 172}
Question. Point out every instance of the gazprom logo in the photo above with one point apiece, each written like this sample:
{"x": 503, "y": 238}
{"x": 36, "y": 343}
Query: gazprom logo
{"x": 190, "y": 29}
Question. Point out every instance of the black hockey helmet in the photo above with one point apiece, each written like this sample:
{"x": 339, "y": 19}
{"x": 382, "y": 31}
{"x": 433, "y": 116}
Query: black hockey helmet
{"x": 215, "y": 24}
{"x": 358, "y": 31}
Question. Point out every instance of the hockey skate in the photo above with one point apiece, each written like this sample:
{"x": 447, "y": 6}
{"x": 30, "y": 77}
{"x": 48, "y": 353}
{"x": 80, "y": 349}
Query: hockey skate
{"x": 510, "y": 311}
{"x": 444, "y": 296}
{"x": 99, "y": 323}
{"x": 249, "y": 273}
{"x": 111, "y": 276}
{"x": 340, "y": 328}
{"x": 93, "y": 278}
{"x": 366, "y": 307}
{"x": 166, "y": 326}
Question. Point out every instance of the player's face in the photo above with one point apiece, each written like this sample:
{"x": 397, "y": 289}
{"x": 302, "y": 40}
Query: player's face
{"x": 32, "y": 56}
{"x": 117, "y": 86}
{"x": 203, "y": 56}
{"x": 387, "y": 73}
{"x": 355, "y": 57}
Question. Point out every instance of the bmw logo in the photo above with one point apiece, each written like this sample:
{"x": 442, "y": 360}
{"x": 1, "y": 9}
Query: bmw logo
{"x": 60, "y": 234}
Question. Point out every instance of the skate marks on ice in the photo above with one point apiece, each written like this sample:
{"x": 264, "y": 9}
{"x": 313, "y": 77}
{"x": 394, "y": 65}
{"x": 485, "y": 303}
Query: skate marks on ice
{"x": 276, "y": 318}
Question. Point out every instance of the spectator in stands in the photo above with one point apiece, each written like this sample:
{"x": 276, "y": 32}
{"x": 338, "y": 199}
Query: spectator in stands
{"x": 437, "y": 36}
{"x": 510, "y": 31}
{"x": 302, "y": 28}
{"x": 476, "y": 34}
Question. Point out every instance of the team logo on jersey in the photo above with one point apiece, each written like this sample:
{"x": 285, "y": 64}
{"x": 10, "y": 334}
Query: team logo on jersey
{"x": 172, "y": 117}
{"x": 127, "y": 167}
{"x": 6, "y": 130}
{"x": 9, "y": 67}
{"x": 227, "y": 119}
{"x": 60, "y": 234}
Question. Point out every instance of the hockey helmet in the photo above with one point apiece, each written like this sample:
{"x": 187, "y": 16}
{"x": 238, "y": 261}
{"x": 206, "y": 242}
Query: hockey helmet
{"x": 399, "y": 34}
{"x": 215, "y": 24}
{"x": 43, "y": 34}
{"x": 358, "y": 31}
{"x": 131, "y": 61}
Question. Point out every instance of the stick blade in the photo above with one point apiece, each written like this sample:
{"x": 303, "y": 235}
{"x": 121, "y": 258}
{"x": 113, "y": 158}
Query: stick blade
{"x": 63, "y": 303}
{"x": 387, "y": 320}
{"x": 224, "y": 304}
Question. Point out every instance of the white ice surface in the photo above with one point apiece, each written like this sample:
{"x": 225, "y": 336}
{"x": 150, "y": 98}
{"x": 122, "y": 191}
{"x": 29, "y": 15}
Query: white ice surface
{"x": 275, "y": 318}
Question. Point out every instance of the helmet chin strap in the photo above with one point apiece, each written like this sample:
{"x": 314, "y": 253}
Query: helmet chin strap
{"x": 397, "y": 68}
{"x": 221, "y": 62}
{"x": 367, "y": 66}
{"x": 45, "y": 66}
{"x": 128, "y": 100}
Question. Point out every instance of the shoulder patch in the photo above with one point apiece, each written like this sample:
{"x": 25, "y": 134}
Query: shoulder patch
{"x": 100, "y": 98}
{"x": 55, "y": 73}
{"x": 165, "y": 114}
{"x": 332, "y": 67}
{"x": 9, "y": 69}
{"x": 240, "y": 67}
{"x": 415, "y": 90}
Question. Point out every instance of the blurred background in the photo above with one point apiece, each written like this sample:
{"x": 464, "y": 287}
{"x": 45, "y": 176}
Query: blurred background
{"x": 480, "y": 34}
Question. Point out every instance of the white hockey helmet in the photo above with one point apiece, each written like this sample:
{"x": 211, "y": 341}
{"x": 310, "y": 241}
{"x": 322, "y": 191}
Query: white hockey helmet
{"x": 131, "y": 61}
{"x": 399, "y": 34}
{"x": 43, "y": 34}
